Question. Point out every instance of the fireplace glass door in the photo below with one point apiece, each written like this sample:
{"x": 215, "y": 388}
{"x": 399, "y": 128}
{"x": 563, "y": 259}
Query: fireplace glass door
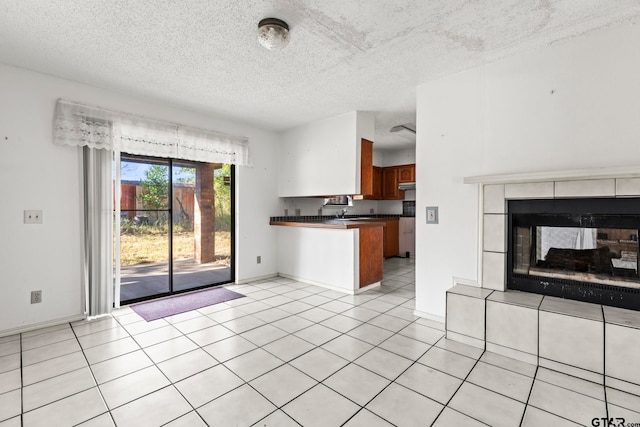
{"x": 582, "y": 249}
{"x": 597, "y": 255}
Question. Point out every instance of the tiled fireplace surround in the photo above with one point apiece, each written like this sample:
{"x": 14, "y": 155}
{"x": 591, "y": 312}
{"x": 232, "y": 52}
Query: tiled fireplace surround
{"x": 590, "y": 341}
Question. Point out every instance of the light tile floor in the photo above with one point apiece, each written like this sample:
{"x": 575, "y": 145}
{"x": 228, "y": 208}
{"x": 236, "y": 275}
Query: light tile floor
{"x": 288, "y": 354}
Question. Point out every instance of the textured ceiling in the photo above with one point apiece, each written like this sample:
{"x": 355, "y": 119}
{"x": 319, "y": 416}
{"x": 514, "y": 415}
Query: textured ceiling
{"x": 343, "y": 55}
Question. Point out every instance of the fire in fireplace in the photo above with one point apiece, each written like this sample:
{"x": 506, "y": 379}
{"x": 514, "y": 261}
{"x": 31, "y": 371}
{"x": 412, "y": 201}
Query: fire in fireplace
{"x": 582, "y": 249}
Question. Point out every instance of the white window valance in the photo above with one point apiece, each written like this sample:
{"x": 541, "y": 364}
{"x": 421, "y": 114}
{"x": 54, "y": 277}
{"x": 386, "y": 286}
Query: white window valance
{"x": 82, "y": 125}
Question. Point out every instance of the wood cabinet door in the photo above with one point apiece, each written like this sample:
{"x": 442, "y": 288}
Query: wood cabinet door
{"x": 371, "y": 255}
{"x": 391, "y": 238}
{"x": 407, "y": 173}
{"x": 377, "y": 183}
{"x": 390, "y": 183}
{"x": 366, "y": 167}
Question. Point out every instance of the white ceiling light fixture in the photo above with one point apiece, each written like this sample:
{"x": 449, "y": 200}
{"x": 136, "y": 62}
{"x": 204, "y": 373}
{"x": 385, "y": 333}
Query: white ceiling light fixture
{"x": 273, "y": 33}
{"x": 406, "y": 131}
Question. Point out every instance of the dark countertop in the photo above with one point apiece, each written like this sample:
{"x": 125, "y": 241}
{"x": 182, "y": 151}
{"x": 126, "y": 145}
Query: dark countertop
{"x": 333, "y": 223}
{"x": 325, "y": 218}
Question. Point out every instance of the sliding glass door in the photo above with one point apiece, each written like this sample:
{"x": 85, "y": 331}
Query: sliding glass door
{"x": 201, "y": 224}
{"x": 175, "y": 226}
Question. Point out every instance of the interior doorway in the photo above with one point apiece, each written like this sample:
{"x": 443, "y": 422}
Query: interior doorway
{"x": 174, "y": 231}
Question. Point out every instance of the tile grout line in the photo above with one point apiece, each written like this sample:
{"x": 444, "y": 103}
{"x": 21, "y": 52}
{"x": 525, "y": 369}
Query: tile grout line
{"x": 94, "y": 379}
{"x": 393, "y": 381}
{"x": 47, "y": 379}
{"x": 122, "y": 376}
{"x": 154, "y": 364}
{"x": 401, "y": 373}
{"x": 464, "y": 380}
{"x": 526, "y": 405}
{"x": 172, "y": 383}
{"x": 21, "y": 385}
{"x": 604, "y": 361}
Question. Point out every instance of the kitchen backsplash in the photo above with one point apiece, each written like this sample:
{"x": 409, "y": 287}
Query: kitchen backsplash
{"x": 409, "y": 208}
{"x": 312, "y": 206}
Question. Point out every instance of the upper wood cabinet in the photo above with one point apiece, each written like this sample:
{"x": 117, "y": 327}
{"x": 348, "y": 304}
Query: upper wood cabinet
{"x": 389, "y": 183}
{"x": 377, "y": 183}
{"x": 366, "y": 168}
{"x": 390, "y": 189}
{"x": 406, "y": 173}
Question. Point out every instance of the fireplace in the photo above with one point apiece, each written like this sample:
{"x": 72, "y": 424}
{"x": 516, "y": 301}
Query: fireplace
{"x": 583, "y": 249}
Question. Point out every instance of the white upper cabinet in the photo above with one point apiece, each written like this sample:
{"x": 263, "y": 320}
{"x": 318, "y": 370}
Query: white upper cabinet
{"x": 323, "y": 157}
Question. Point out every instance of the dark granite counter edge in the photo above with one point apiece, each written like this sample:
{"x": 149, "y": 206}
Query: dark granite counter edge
{"x": 330, "y": 224}
{"x": 324, "y": 218}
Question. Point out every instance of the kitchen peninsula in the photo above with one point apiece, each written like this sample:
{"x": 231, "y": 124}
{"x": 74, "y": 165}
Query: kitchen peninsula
{"x": 345, "y": 255}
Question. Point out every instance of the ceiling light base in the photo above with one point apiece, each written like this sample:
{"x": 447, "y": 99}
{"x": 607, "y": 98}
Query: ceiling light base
{"x": 273, "y": 33}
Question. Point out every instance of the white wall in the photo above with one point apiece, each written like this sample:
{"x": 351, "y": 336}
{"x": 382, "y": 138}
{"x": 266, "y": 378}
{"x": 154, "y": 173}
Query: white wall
{"x": 301, "y": 248}
{"x": 35, "y": 174}
{"x": 256, "y": 201}
{"x": 572, "y": 105}
{"x": 377, "y": 156}
{"x": 405, "y": 156}
{"x": 323, "y": 157}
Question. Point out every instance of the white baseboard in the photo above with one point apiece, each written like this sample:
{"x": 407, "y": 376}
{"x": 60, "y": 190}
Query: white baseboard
{"x": 320, "y": 284}
{"x": 41, "y": 325}
{"x": 429, "y": 316}
{"x": 256, "y": 279}
{"x": 466, "y": 282}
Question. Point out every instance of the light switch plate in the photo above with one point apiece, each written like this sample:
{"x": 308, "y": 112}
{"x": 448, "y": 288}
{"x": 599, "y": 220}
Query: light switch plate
{"x": 432, "y": 215}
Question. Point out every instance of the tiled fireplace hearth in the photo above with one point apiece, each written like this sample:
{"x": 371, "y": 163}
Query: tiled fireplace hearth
{"x": 591, "y": 341}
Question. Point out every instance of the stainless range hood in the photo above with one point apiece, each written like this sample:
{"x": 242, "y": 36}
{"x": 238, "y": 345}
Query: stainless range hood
{"x": 407, "y": 186}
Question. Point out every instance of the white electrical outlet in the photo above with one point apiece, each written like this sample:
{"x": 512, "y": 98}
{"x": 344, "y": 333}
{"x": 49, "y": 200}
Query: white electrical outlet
{"x": 33, "y": 217}
{"x": 36, "y": 297}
